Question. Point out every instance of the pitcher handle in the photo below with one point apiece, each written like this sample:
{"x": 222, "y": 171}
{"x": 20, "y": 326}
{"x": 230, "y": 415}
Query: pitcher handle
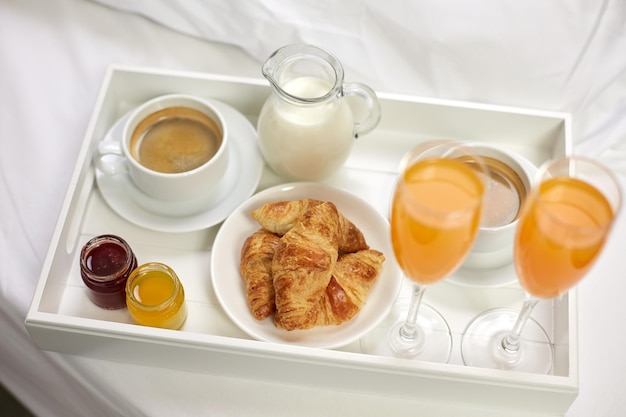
{"x": 372, "y": 118}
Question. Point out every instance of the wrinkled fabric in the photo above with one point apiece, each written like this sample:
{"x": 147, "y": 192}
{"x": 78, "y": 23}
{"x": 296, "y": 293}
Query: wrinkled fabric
{"x": 562, "y": 56}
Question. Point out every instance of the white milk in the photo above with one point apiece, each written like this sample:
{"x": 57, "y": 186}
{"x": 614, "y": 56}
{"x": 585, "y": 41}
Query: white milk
{"x": 305, "y": 141}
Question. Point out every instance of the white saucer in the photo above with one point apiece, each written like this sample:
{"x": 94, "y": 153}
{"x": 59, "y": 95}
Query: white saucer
{"x": 240, "y": 181}
{"x": 230, "y": 288}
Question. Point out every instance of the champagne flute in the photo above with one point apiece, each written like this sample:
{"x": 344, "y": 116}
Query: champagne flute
{"x": 435, "y": 216}
{"x": 563, "y": 226}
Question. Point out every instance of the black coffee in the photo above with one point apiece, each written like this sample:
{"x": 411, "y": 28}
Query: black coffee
{"x": 175, "y": 139}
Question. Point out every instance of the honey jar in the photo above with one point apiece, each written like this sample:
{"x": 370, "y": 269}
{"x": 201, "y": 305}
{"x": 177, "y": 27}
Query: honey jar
{"x": 155, "y": 296}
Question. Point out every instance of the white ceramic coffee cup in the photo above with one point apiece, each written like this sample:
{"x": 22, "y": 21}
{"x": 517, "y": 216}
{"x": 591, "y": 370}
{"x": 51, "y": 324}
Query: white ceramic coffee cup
{"x": 493, "y": 247}
{"x": 187, "y": 185}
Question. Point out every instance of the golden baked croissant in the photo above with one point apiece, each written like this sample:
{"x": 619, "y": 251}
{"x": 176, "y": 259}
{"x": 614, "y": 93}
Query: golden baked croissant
{"x": 279, "y": 217}
{"x": 255, "y": 266}
{"x": 352, "y": 279}
{"x": 301, "y": 276}
{"x": 303, "y": 265}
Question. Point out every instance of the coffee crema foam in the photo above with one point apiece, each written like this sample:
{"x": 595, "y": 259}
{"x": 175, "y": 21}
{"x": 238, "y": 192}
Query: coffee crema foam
{"x": 175, "y": 139}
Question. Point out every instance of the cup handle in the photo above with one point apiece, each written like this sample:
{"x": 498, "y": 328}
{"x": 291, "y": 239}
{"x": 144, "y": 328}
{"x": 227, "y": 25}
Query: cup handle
{"x": 109, "y": 158}
{"x": 372, "y": 107}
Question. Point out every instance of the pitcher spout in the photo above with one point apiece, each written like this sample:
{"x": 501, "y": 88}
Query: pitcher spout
{"x": 292, "y": 65}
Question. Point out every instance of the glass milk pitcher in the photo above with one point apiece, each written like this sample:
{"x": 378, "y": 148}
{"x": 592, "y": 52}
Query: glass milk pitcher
{"x": 307, "y": 126}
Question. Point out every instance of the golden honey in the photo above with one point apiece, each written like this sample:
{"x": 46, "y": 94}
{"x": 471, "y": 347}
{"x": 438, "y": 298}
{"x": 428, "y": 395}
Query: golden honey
{"x": 155, "y": 296}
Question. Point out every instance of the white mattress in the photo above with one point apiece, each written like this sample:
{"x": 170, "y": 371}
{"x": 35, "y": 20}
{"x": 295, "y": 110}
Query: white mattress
{"x": 564, "y": 56}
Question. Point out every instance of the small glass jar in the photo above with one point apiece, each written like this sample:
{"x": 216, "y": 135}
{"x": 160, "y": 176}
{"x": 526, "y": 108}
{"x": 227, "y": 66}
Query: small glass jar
{"x": 155, "y": 296}
{"x": 106, "y": 262}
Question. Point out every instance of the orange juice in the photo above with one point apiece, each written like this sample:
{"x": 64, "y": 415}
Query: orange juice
{"x": 435, "y": 217}
{"x": 561, "y": 232}
{"x": 155, "y": 296}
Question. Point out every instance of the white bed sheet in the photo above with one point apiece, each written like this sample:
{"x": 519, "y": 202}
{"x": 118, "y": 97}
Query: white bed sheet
{"x": 565, "y": 56}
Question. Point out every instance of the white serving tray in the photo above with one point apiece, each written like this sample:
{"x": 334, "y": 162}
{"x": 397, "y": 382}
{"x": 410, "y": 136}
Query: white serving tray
{"x": 62, "y": 319}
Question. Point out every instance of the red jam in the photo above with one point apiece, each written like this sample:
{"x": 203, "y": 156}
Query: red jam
{"x": 106, "y": 261}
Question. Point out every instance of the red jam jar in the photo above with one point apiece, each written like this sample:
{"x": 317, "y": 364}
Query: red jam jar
{"x": 106, "y": 261}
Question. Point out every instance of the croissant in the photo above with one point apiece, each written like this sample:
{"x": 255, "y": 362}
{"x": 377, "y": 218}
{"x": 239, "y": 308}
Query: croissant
{"x": 255, "y": 266}
{"x": 279, "y": 217}
{"x": 303, "y": 265}
{"x": 352, "y": 279}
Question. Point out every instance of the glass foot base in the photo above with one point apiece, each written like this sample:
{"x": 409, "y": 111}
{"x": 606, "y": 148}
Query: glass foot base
{"x": 432, "y": 343}
{"x": 481, "y": 345}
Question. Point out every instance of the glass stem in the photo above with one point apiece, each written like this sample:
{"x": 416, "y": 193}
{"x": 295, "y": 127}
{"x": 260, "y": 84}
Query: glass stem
{"x": 409, "y": 330}
{"x": 511, "y": 342}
